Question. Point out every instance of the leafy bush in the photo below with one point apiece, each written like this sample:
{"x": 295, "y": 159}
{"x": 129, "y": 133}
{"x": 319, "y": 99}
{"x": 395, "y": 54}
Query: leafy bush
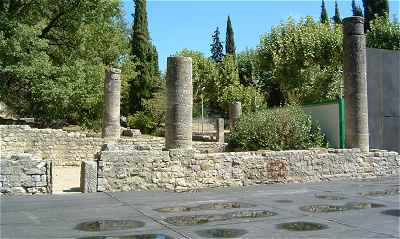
{"x": 384, "y": 34}
{"x": 143, "y": 121}
{"x": 276, "y": 129}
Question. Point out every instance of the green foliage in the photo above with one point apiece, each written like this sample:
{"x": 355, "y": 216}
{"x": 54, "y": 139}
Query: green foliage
{"x": 145, "y": 84}
{"x": 356, "y": 9}
{"x": 384, "y": 34}
{"x": 373, "y": 9}
{"x": 53, "y": 56}
{"x": 230, "y": 48}
{"x": 153, "y": 115}
{"x": 141, "y": 120}
{"x": 337, "y": 19}
{"x": 285, "y": 128}
{"x": 204, "y": 76}
{"x": 217, "y": 48}
{"x": 324, "y": 14}
{"x": 304, "y": 60}
{"x": 250, "y": 98}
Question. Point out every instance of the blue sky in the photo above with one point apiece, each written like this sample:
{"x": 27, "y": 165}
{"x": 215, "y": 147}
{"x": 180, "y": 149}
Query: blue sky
{"x": 179, "y": 24}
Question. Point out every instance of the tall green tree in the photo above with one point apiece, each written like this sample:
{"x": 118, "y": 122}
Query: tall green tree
{"x": 217, "y": 48}
{"x": 230, "y": 48}
{"x": 145, "y": 52}
{"x": 53, "y": 55}
{"x": 356, "y": 9}
{"x": 304, "y": 59}
{"x": 324, "y": 14}
{"x": 373, "y": 9}
{"x": 337, "y": 19}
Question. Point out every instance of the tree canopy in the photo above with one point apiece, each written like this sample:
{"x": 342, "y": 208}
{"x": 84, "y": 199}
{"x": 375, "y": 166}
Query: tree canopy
{"x": 145, "y": 84}
{"x": 53, "y": 56}
{"x": 356, "y": 9}
{"x": 304, "y": 59}
{"x": 217, "y": 49}
{"x": 324, "y": 13}
{"x": 230, "y": 48}
{"x": 373, "y": 9}
{"x": 336, "y": 18}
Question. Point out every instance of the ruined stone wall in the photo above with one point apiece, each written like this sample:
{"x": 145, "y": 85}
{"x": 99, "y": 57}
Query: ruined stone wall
{"x": 178, "y": 170}
{"x": 24, "y": 174}
{"x": 70, "y": 149}
{"x": 61, "y": 147}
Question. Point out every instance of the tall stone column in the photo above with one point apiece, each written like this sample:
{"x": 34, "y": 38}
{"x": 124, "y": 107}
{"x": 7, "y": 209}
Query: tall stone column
{"x": 235, "y": 110}
{"x": 111, "y": 110}
{"x": 178, "y": 126}
{"x": 220, "y": 130}
{"x": 355, "y": 83}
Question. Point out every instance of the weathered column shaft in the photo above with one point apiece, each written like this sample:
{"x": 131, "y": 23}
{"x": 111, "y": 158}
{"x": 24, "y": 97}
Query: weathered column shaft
{"x": 220, "y": 130}
{"x": 235, "y": 110}
{"x": 355, "y": 83}
{"x": 88, "y": 177}
{"x": 178, "y": 126}
{"x": 112, "y": 98}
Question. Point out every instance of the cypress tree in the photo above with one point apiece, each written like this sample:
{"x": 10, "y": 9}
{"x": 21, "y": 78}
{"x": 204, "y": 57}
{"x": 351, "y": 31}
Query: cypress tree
{"x": 374, "y": 8}
{"x": 324, "y": 13}
{"x": 230, "y": 40}
{"x": 217, "y": 48}
{"x": 356, "y": 9}
{"x": 337, "y": 19}
{"x": 143, "y": 86}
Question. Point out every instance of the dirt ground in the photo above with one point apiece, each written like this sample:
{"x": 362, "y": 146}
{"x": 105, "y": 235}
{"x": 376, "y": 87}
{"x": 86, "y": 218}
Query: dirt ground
{"x": 66, "y": 180}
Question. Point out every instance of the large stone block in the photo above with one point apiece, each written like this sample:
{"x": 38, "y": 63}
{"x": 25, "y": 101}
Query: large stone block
{"x": 89, "y": 176}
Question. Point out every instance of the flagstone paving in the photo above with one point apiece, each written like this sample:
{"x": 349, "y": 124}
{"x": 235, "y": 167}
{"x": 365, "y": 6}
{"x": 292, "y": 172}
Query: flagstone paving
{"x": 350, "y": 209}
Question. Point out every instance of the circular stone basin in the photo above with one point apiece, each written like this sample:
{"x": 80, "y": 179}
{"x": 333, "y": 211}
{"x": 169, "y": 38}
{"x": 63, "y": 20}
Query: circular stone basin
{"x": 322, "y": 208}
{"x": 221, "y": 233}
{"x": 389, "y": 192}
{"x": 392, "y": 212}
{"x": 302, "y": 226}
{"x": 206, "y": 206}
{"x": 284, "y": 201}
{"x": 206, "y": 218}
{"x": 141, "y": 236}
{"x": 109, "y": 225}
{"x": 330, "y": 197}
{"x": 363, "y": 205}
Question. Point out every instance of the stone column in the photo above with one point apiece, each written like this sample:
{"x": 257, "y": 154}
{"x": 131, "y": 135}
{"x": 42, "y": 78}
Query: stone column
{"x": 178, "y": 125}
{"x": 88, "y": 177}
{"x": 111, "y": 110}
{"x": 220, "y": 130}
{"x": 235, "y": 110}
{"x": 355, "y": 83}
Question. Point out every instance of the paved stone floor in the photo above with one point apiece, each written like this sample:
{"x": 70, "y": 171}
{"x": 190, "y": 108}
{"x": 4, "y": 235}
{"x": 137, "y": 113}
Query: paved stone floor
{"x": 57, "y": 216}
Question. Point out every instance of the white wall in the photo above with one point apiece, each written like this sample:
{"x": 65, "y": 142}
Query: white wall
{"x": 327, "y": 116}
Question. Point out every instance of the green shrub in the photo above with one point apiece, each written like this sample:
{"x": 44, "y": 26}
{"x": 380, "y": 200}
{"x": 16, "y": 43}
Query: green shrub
{"x": 276, "y": 129}
{"x": 153, "y": 116}
{"x": 143, "y": 121}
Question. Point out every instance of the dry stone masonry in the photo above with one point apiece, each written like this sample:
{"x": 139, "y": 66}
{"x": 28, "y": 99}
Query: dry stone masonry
{"x": 70, "y": 149}
{"x": 63, "y": 148}
{"x": 24, "y": 174}
{"x": 188, "y": 170}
